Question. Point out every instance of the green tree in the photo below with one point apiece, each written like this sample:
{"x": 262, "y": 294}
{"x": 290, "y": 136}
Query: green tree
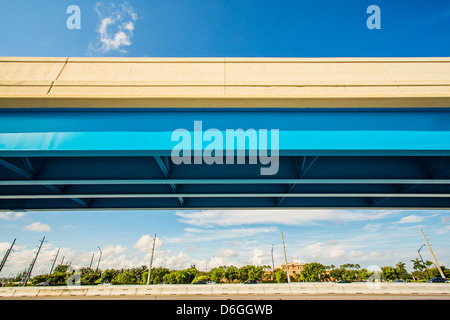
{"x": 156, "y": 276}
{"x": 201, "y": 278}
{"x": 364, "y": 274}
{"x": 170, "y": 278}
{"x": 242, "y": 273}
{"x": 402, "y": 273}
{"x": 313, "y": 272}
{"x": 256, "y": 272}
{"x": 58, "y": 278}
{"x": 231, "y": 273}
{"x": 217, "y": 274}
{"x": 389, "y": 273}
{"x": 60, "y": 268}
{"x": 280, "y": 276}
{"x": 38, "y": 279}
{"x": 435, "y": 273}
{"x": 125, "y": 277}
{"x": 108, "y": 276}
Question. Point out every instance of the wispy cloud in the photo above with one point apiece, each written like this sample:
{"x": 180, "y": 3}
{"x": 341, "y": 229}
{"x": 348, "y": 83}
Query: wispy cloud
{"x": 9, "y": 215}
{"x": 218, "y": 234}
{"x": 38, "y": 227}
{"x": 411, "y": 219}
{"x": 114, "y": 33}
{"x": 286, "y": 217}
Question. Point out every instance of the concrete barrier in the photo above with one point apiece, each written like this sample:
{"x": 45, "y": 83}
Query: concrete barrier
{"x": 7, "y": 292}
{"x": 172, "y": 289}
{"x": 303, "y": 288}
{"x": 331, "y": 288}
{"x": 74, "y": 292}
{"x": 224, "y": 289}
{"x": 199, "y": 289}
{"x": 123, "y": 291}
{"x": 276, "y": 289}
{"x": 220, "y": 290}
{"x": 25, "y": 292}
{"x": 148, "y": 291}
{"x": 246, "y": 289}
{"x": 99, "y": 291}
{"x": 50, "y": 292}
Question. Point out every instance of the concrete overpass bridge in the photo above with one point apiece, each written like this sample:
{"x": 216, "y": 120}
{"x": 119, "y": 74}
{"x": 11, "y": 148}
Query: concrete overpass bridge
{"x": 98, "y": 133}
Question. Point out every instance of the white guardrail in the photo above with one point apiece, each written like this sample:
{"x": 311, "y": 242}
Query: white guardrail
{"x": 228, "y": 289}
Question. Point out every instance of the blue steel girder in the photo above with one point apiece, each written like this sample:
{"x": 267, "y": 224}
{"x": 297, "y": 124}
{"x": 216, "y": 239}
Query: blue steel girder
{"x": 164, "y": 165}
{"x": 29, "y": 175}
{"x": 436, "y": 174}
{"x": 303, "y": 170}
{"x": 99, "y": 159}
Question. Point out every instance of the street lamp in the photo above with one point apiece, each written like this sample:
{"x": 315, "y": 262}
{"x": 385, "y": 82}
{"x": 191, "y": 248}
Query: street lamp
{"x": 98, "y": 259}
{"x": 426, "y": 269}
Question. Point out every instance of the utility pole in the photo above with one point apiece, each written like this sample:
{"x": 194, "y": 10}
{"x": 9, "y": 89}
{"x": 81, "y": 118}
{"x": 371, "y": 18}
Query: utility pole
{"x": 98, "y": 263}
{"x": 273, "y": 266}
{"x": 6, "y": 255}
{"x": 54, "y": 261}
{"x": 435, "y": 260}
{"x": 98, "y": 260}
{"x": 32, "y": 264}
{"x": 151, "y": 261}
{"x": 285, "y": 259}
{"x": 90, "y": 265}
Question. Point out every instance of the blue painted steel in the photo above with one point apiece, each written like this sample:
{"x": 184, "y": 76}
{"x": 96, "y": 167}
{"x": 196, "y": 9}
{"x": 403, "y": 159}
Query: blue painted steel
{"x": 305, "y": 132}
{"x": 55, "y": 159}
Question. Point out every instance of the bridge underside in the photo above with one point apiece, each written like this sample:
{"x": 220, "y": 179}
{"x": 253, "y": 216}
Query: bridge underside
{"x": 120, "y": 159}
{"x": 96, "y": 133}
{"x": 302, "y": 182}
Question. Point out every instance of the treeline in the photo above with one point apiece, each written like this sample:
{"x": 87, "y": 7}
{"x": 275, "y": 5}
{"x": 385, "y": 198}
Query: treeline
{"x": 312, "y": 272}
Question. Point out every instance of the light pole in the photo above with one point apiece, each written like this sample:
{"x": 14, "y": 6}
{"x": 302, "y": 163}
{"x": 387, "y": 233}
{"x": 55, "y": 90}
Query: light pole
{"x": 98, "y": 264}
{"x": 99, "y": 258}
{"x": 426, "y": 269}
{"x": 273, "y": 266}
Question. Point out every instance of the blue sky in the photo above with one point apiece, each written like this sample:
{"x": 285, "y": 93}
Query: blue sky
{"x": 233, "y": 28}
{"x": 194, "y": 28}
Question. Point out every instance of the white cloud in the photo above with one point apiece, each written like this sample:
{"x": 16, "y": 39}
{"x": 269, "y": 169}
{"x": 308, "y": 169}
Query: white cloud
{"x": 145, "y": 243}
{"x": 371, "y": 227}
{"x": 336, "y": 254}
{"x": 215, "y": 234}
{"x": 443, "y": 230}
{"x": 288, "y": 217}
{"x": 445, "y": 220}
{"x": 226, "y": 253}
{"x": 37, "y": 226}
{"x": 355, "y": 254}
{"x": 11, "y": 215}
{"x": 411, "y": 219}
{"x": 374, "y": 254}
{"x": 117, "y": 23}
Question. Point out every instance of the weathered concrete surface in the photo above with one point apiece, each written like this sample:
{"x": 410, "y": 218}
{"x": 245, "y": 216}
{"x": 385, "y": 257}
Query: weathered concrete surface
{"x": 224, "y": 82}
{"x": 435, "y": 290}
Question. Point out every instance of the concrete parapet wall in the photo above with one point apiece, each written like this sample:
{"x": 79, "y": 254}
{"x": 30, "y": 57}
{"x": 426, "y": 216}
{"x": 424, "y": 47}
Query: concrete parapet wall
{"x": 294, "y": 289}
